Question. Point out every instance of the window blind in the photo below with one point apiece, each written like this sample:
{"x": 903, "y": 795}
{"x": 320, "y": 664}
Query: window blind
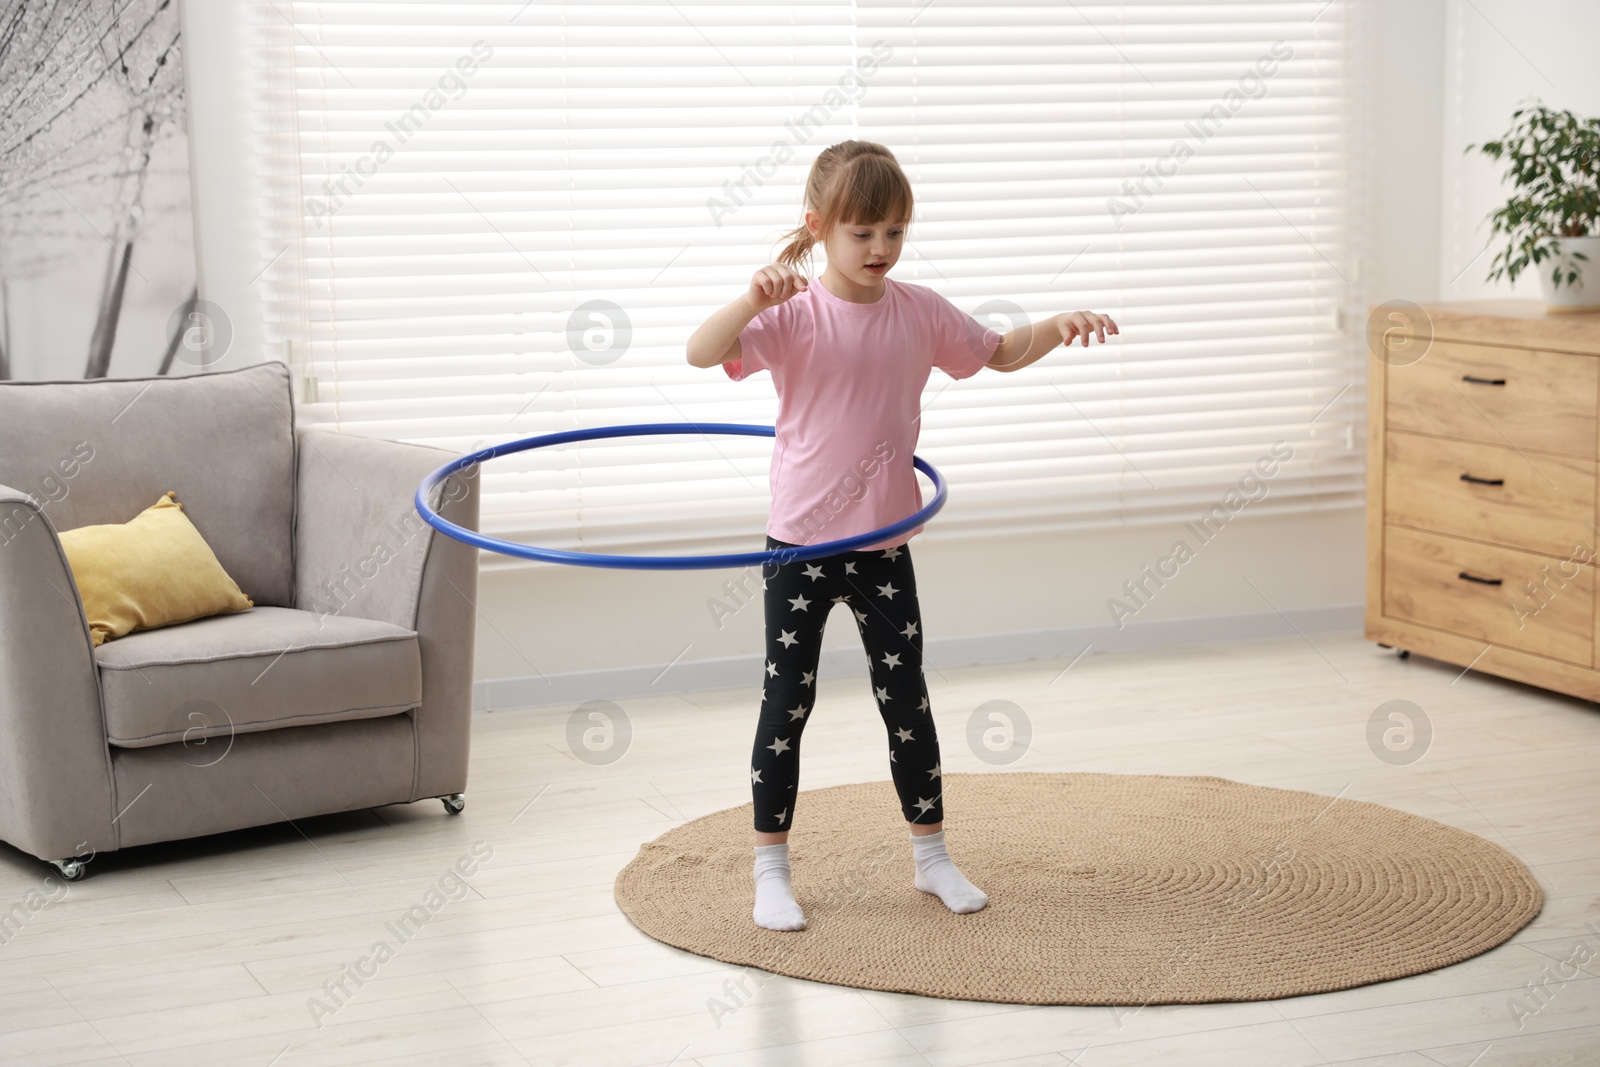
{"x": 485, "y": 221}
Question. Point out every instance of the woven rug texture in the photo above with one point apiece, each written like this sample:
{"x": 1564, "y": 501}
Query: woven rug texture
{"x": 1125, "y": 889}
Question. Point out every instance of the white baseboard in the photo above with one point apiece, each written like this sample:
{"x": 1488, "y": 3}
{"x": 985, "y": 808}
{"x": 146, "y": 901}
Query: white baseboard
{"x": 491, "y": 694}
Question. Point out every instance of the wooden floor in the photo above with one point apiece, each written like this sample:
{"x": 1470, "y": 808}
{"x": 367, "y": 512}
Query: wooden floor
{"x": 211, "y": 952}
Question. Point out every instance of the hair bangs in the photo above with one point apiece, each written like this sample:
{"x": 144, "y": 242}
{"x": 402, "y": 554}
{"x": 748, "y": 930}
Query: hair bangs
{"x": 871, "y": 189}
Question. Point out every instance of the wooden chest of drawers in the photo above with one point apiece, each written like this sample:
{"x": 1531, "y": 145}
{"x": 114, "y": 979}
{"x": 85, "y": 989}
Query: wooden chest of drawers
{"x": 1483, "y": 451}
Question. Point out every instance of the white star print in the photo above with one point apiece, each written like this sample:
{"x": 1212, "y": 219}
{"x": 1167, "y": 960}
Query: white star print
{"x": 935, "y": 773}
{"x": 925, "y": 805}
{"x": 755, "y": 776}
{"x": 861, "y": 616}
{"x": 772, "y": 669}
{"x": 798, "y": 603}
{"x": 883, "y": 694}
{"x": 813, "y": 571}
{"x": 842, "y": 599}
{"x": 808, "y": 678}
{"x": 924, "y": 705}
{"x": 892, "y": 661}
{"x": 910, "y": 630}
{"x": 779, "y": 745}
{"x": 781, "y": 815}
{"x": 891, "y": 755}
{"x": 798, "y": 712}
{"x": 849, "y": 568}
{"x": 787, "y": 638}
{"x": 903, "y": 734}
{"x": 891, "y": 553}
{"x": 887, "y": 590}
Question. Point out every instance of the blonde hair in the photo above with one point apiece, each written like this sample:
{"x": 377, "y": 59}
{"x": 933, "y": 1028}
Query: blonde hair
{"x": 852, "y": 181}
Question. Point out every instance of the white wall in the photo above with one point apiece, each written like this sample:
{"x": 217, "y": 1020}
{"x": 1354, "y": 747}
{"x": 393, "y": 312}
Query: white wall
{"x": 227, "y": 241}
{"x": 1000, "y": 598}
{"x": 1500, "y": 53}
{"x": 994, "y": 600}
{"x": 1404, "y": 136}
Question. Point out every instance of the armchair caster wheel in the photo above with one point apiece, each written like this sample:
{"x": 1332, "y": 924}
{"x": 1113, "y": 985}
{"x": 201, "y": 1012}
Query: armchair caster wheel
{"x": 454, "y": 803}
{"x": 71, "y": 869}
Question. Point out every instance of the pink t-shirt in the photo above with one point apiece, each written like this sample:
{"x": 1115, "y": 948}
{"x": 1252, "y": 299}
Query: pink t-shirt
{"x": 849, "y": 378}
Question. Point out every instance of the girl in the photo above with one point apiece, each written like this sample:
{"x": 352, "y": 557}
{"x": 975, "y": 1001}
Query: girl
{"x": 849, "y": 356}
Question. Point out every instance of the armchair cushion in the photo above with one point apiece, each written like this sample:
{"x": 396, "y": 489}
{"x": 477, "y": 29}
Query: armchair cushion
{"x": 99, "y": 451}
{"x": 263, "y": 669}
{"x": 153, "y": 570}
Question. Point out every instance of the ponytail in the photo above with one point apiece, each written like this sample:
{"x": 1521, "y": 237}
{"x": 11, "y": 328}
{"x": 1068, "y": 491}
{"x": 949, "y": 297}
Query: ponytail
{"x": 799, "y": 247}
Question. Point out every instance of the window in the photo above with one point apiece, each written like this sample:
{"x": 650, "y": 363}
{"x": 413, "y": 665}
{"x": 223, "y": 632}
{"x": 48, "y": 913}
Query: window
{"x": 493, "y": 220}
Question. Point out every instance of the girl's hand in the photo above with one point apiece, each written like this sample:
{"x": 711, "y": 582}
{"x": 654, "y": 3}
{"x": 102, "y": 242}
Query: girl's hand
{"x": 1084, "y": 323}
{"x": 773, "y": 284}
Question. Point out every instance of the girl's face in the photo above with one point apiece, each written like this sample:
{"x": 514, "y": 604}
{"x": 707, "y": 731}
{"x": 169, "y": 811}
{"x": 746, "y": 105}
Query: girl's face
{"x": 863, "y": 252}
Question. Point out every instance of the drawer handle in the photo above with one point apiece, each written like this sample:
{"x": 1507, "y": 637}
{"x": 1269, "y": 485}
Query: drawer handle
{"x": 1483, "y": 481}
{"x": 1483, "y": 381}
{"x": 1474, "y": 578}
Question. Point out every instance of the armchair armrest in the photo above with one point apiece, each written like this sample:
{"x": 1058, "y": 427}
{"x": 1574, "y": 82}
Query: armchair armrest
{"x": 362, "y": 550}
{"x": 56, "y": 797}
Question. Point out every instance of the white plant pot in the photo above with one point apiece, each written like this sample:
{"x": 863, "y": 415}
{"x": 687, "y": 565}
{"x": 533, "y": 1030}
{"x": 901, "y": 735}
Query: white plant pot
{"x": 1582, "y": 295}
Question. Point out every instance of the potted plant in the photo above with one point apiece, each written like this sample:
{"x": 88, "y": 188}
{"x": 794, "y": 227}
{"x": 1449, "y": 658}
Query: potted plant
{"x": 1553, "y": 163}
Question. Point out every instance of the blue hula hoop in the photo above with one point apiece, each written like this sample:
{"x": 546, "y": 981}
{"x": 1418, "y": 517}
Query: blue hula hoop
{"x": 595, "y": 559}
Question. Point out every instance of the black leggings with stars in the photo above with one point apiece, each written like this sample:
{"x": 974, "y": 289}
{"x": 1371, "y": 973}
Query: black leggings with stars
{"x": 879, "y": 589}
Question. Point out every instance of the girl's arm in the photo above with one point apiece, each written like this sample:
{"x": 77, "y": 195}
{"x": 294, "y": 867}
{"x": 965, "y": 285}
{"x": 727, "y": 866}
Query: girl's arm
{"x": 717, "y": 340}
{"x": 1027, "y": 343}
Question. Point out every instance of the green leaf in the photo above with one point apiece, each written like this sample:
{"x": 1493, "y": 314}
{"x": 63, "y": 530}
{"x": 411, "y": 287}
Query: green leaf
{"x": 1553, "y": 165}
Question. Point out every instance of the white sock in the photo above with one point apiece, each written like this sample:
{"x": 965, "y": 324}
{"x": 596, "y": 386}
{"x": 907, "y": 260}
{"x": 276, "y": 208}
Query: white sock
{"x": 938, "y": 874}
{"x": 775, "y": 904}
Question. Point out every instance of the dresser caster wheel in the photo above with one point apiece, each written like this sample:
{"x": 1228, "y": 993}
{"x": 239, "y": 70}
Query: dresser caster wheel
{"x": 1402, "y": 653}
{"x": 454, "y": 803}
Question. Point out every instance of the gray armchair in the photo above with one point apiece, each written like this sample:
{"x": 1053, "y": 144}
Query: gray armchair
{"x": 347, "y": 686}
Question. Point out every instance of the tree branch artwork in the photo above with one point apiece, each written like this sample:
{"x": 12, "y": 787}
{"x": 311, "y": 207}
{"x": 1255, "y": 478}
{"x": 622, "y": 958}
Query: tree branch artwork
{"x": 87, "y": 90}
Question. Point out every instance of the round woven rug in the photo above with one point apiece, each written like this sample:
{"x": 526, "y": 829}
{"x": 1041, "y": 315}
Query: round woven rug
{"x": 1125, "y": 889}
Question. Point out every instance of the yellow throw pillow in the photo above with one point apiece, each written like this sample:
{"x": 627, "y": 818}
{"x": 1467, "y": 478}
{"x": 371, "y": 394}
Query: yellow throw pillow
{"x": 154, "y": 570}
